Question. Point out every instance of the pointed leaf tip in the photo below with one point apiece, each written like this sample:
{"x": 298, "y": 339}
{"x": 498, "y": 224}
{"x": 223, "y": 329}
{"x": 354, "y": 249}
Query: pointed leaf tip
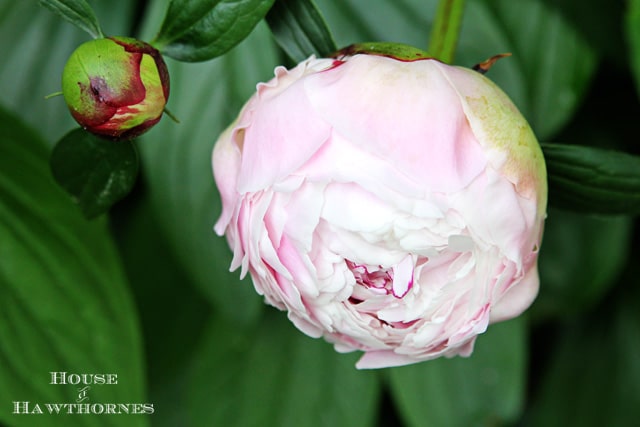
{"x": 78, "y": 12}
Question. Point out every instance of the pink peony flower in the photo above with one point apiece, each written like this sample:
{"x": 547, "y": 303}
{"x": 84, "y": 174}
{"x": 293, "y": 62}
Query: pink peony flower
{"x": 390, "y": 206}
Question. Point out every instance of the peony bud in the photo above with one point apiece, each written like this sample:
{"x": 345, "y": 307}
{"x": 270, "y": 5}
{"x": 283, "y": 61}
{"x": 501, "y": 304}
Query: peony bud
{"x": 116, "y": 87}
{"x": 391, "y": 205}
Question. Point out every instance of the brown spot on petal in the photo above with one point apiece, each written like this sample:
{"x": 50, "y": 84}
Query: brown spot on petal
{"x": 238, "y": 138}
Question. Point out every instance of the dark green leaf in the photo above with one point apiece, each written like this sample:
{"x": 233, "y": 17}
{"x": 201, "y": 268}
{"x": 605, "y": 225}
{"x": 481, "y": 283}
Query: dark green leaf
{"x": 275, "y": 376}
{"x": 592, "y": 180}
{"x": 599, "y": 24}
{"x": 95, "y": 172}
{"x": 172, "y": 313}
{"x": 176, "y": 159}
{"x": 482, "y": 390}
{"x": 633, "y": 37}
{"x": 356, "y": 21}
{"x": 78, "y": 12}
{"x": 593, "y": 378}
{"x": 552, "y": 63}
{"x": 64, "y": 301}
{"x": 35, "y": 45}
{"x": 199, "y": 30}
{"x": 300, "y": 29}
{"x": 580, "y": 260}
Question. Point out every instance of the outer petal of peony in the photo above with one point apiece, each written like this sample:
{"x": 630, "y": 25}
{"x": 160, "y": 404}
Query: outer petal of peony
{"x": 388, "y": 108}
{"x": 282, "y": 122}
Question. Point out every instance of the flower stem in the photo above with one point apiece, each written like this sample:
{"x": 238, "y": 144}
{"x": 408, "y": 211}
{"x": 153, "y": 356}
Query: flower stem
{"x": 446, "y": 29}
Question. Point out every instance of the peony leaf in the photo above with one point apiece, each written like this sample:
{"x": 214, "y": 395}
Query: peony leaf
{"x": 64, "y": 301}
{"x": 551, "y": 64}
{"x": 203, "y": 29}
{"x": 162, "y": 287}
{"x": 591, "y": 379}
{"x": 633, "y": 37}
{"x": 575, "y": 271}
{"x": 95, "y": 172}
{"x": 176, "y": 160}
{"x": 300, "y": 29}
{"x": 283, "y": 376}
{"x": 484, "y": 389}
{"x": 78, "y": 12}
{"x": 592, "y": 180}
{"x": 599, "y": 24}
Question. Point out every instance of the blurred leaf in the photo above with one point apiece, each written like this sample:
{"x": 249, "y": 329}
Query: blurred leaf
{"x": 35, "y": 45}
{"x": 64, "y": 302}
{"x": 283, "y": 376}
{"x": 552, "y": 63}
{"x": 546, "y": 77}
{"x": 483, "y": 390}
{"x": 78, "y": 12}
{"x": 598, "y": 22}
{"x": 95, "y": 172}
{"x": 356, "y": 21}
{"x": 172, "y": 313}
{"x": 300, "y": 29}
{"x": 594, "y": 376}
{"x": 176, "y": 159}
{"x": 633, "y": 37}
{"x": 580, "y": 259}
{"x": 592, "y": 180}
{"x": 199, "y": 30}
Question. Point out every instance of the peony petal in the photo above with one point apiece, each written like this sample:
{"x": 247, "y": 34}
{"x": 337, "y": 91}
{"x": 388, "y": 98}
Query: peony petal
{"x": 503, "y": 132}
{"x": 403, "y": 277}
{"x": 299, "y": 266}
{"x": 518, "y": 298}
{"x": 350, "y": 207}
{"x": 225, "y": 161}
{"x": 399, "y": 109}
{"x": 283, "y": 124}
{"x": 383, "y": 359}
{"x": 494, "y": 212}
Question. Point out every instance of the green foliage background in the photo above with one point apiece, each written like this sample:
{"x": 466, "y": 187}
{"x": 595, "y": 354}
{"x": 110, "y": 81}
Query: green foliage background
{"x": 145, "y": 291}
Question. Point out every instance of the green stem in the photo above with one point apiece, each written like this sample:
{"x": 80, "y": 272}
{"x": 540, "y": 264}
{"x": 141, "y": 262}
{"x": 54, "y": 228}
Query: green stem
{"x": 51, "y": 95}
{"x": 446, "y": 29}
{"x": 171, "y": 116}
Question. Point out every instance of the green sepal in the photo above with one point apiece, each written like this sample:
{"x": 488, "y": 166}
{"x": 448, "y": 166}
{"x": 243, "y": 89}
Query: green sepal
{"x": 399, "y": 51}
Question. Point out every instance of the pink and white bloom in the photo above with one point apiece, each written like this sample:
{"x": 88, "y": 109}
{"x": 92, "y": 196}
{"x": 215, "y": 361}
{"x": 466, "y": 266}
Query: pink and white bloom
{"x": 390, "y": 206}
